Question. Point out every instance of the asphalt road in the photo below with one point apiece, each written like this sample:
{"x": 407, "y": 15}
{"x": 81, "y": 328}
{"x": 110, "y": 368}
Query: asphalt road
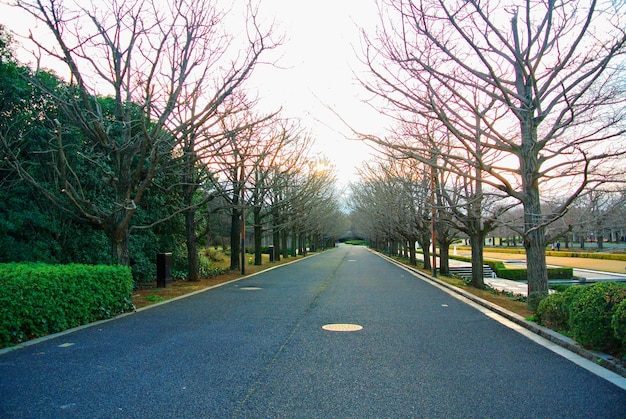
{"x": 256, "y": 348}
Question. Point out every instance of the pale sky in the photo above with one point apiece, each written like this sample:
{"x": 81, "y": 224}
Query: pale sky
{"x": 319, "y": 57}
{"x": 316, "y": 67}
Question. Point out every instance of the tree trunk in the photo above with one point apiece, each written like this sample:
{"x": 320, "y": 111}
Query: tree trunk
{"x": 302, "y": 244}
{"x": 425, "y": 243}
{"x": 120, "y": 252}
{"x": 277, "y": 246}
{"x": 235, "y": 244}
{"x": 276, "y": 234}
{"x": 444, "y": 258}
{"x": 535, "y": 245}
{"x": 534, "y": 232}
{"x": 283, "y": 244}
{"x": 193, "y": 261}
{"x": 412, "y": 253}
{"x": 258, "y": 233}
{"x": 477, "y": 237}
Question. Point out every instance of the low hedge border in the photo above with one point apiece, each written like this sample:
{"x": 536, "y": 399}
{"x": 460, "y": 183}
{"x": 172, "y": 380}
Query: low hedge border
{"x": 39, "y": 299}
{"x": 602, "y": 256}
{"x": 561, "y": 253}
{"x": 519, "y": 274}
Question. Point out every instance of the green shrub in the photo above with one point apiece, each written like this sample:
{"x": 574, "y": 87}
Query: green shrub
{"x": 591, "y": 313}
{"x": 554, "y": 310}
{"x": 618, "y": 322}
{"x": 560, "y": 273}
{"x": 38, "y": 299}
{"x": 517, "y": 274}
{"x": 520, "y": 274}
{"x": 215, "y": 255}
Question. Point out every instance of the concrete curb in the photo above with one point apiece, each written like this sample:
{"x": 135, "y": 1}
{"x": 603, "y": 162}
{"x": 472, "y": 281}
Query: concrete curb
{"x": 598, "y": 358}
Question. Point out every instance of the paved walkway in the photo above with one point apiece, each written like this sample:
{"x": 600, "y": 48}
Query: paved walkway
{"x": 515, "y": 287}
{"x": 584, "y": 269}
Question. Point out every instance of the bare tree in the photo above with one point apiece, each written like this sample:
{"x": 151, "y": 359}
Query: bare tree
{"x": 234, "y": 163}
{"x": 536, "y": 85}
{"x": 313, "y": 202}
{"x": 143, "y": 77}
{"x": 394, "y": 198}
{"x": 288, "y": 152}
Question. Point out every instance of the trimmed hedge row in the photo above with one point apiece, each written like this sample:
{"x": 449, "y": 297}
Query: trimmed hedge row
{"x": 39, "y": 299}
{"x": 519, "y": 274}
{"x": 561, "y": 253}
{"x": 595, "y": 315}
{"x": 602, "y": 256}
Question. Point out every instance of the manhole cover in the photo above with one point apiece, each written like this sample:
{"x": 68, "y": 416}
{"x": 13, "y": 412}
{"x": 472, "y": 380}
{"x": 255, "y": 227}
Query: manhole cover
{"x": 342, "y": 327}
{"x": 250, "y": 288}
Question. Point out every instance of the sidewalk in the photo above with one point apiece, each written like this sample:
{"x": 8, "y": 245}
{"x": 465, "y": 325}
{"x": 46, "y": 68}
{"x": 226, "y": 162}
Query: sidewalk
{"x": 584, "y": 270}
{"x": 506, "y": 285}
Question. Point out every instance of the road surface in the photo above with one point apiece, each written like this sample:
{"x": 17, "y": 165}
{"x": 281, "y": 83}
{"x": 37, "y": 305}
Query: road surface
{"x": 256, "y": 348}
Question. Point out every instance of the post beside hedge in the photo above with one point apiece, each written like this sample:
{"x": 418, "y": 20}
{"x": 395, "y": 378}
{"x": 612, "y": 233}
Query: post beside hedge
{"x": 39, "y": 299}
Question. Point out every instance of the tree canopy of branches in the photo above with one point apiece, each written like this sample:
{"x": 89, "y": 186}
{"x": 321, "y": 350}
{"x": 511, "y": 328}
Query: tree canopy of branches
{"x": 143, "y": 77}
{"x": 530, "y": 93}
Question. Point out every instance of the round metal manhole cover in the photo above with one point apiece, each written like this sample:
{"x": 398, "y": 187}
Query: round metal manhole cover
{"x": 342, "y": 327}
{"x": 250, "y": 288}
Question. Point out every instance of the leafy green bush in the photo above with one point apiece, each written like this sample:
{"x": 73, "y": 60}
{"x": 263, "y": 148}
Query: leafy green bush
{"x": 554, "y": 310}
{"x": 618, "y": 322}
{"x": 591, "y": 313}
{"x": 38, "y": 299}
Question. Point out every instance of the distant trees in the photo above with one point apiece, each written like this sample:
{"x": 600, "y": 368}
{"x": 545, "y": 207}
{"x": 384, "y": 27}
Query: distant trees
{"x": 529, "y": 94}
{"x": 394, "y": 201}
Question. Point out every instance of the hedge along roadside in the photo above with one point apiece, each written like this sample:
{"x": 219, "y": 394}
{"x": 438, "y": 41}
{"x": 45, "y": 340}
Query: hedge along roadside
{"x": 39, "y": 299}
{"x": 594, "y": 315}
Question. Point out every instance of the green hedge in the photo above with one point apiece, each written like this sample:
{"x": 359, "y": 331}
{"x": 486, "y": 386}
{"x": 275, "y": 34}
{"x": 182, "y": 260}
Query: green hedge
{"x": 561, "y": 253}
{"x": 519, "y": 274}
{"x": 595, "y": 315}
{"x": 39, "y": 299}
{"x": 585, "y": 255}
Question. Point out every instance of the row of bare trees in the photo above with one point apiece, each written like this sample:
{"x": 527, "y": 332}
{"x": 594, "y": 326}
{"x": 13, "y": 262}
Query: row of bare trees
{"x": 150, "y": 99}
{"x": 517, "y": 98}
{"x": 595, "y": 218}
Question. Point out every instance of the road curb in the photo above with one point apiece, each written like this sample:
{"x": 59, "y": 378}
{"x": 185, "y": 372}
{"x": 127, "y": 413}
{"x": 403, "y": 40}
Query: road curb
{"x": 598, "y": 358}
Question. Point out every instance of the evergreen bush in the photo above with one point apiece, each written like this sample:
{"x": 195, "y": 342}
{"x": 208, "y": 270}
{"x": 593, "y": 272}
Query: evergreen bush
{"x": 554, "y": 310}
{"x": 618, "y": 322}
{"x": 38, "y": 299}
{"x": 591, "y": 314}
